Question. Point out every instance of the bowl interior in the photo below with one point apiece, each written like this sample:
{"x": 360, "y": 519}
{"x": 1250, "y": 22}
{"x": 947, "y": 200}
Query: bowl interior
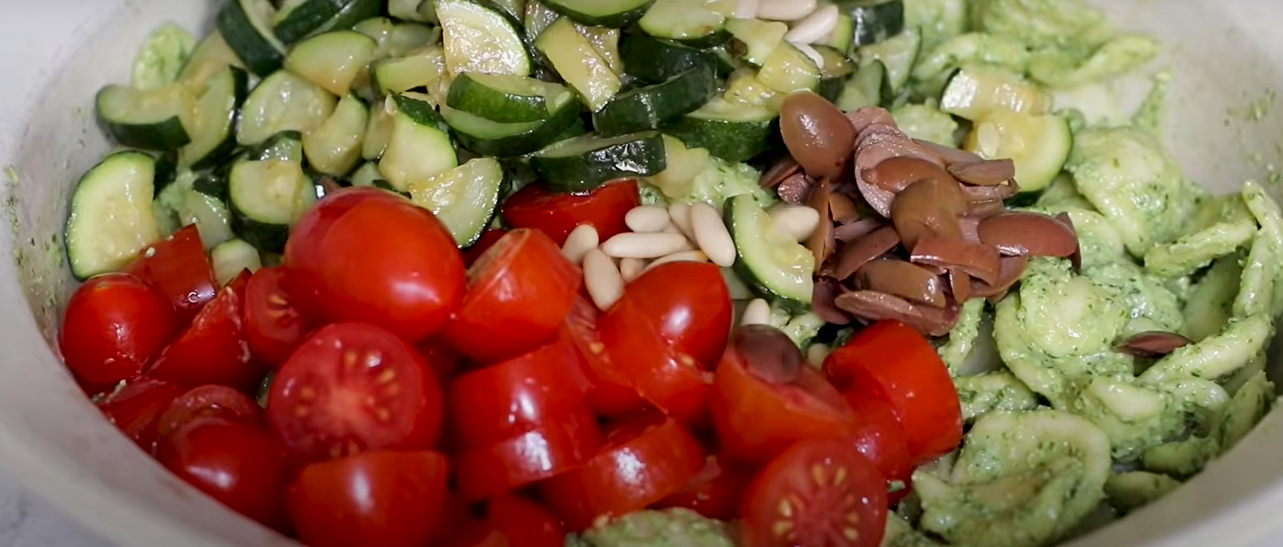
{"x": 1225, "y": 58}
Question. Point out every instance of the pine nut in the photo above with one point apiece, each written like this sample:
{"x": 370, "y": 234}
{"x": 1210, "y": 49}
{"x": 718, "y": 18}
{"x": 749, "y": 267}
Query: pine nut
{"x": 684, "y": 256}
{"x": 712, "y": 236}
{"x": 632, "y": 245}
{"x": 817, "y": 353}
{"x": 581, "y": 240}
{"x": 815, "y": 27}
{"x": 602, "y": 279}
{"x": 811, "y": 54}
{"x": 680, "y": 213}
{"x": 758, "y": 312}
{"x": 630, "y": 268}
{"x": 785, "y": 10}
{"x": 647, "y": 219}
{"x": 746, "y": 9}
{"x": 797, "y": 221}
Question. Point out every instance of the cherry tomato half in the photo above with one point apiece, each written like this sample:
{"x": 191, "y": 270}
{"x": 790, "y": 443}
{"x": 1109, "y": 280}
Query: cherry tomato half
{"x": 213, "y": 350}
{"x": 891, "y": 361}
{"x": 562, "y": 445}
{"x": 178, "y": 268}
{"x": 558, "y": 214}
{"x": 766, "y": 397}
{"x": 353, "y": 387}
{"x": 689, "y": 305}
{"x": 273, "y": 327}
{"x": 674, "y": 382}
{"x": 518, "y": 294}
{"x": 237, "y": 464}
{"x": 135, "y": 408}
{"x": 114, "y": 324}
{"x": 505, "y": 400}
{"x": 612, "y": 394}
{"x": 879, "y": 436}
{"x": 400, "y": 268}
{"x": 715, "y": 492}
{"x": 441, "y": 358}
{"x": 818, "y": 493}
{"x": 513, "y": 521}
{"x": 484, "y": 243}
{"x": 643, "y": 462}
{"x": 382, "y": 498}
{"x": 210, "y": 401}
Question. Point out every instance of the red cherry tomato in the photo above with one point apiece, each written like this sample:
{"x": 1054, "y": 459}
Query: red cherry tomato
{"x": 518, "y": 295}
{"x": 715, "y": 493}
{"x": 484, "y": 243}
{"x": 644, "y": 461}
{"x": 354, "y": 387}
{"x": 382, "y": 498}
{"x": 239, "y": 465}
{"x": 891, "y": 361}
{"x": 612, "y": 395}
{"x": 505, "y": 400}
{"x": 211, "y": 401}
{"x": 818, "y": 493}
{"x": 273, "y": 327}
{"x": 135, "y": 408}
{"x": 212, "y": 351}
{"x": 879, "y": 436}
{"x": 689, "y": 305}
{"x": 114, "y": 324}
{"x": 757, "y": 412}
{"x": 556, "y": 448}
{"x": 441, "y": 358}
{"x": 674, "y": 382}
{"x": 400, "y": 269}
{"x": 517, "y": 521}
{"x": 178, "y": 268}
{"x": 558, "y": 214}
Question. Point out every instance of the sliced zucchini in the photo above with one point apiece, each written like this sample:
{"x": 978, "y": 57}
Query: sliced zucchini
{"x": 464, "y": 199}
{"x": 332, "y": 60}
{"x": 976, "y": 90}
{"x": 1038, "y": 144}
{"x": 170, "y": 199}
{"x": 584, "y": 163}
{"x": 352, "y": 12}
{"x": 843, "y": 36}
{"x": 167, "y": 170}
{"x": 788, "y": 69}
{"x": 760, "y": 38}
{"x": 644, "y": 108}
{"x": 413, "y": 10}
{"x": 379, "y": 130}
{"x": 211, "y": 56}
{"x": 690, "y": 23}
{"x": 652, "y": 60}
{"x": 366, "y": 174}
{"x": 267, "y": 198}
{"x": 397, "y": 39}
{"x": 334, "y": 147}
{"x": 579, "y": 63}
{"x": 873, "y": 21}
{"x": 836, "y": 70}
{"x": 601, "y": 13}
{"x": 735, "y": 132}
{"x": 154, "y": 119}
{"x": 873, "y": 85}
{"x": 512, "y": 8}
{"x": 537, "y": 18}
{"x": 771, "y": 262}
{"x": 246, "y": 25}
{"x": 481, "y": 39}
{"x": 417, "y": 148}
{"x": 207, "y": 212}
{"x": 606, "y": 41}
{"x": 214, "y": 130}
{"x": 506, "y": 99}
{"x": 420, "y": 68}
{"x": 743, "y": 87}
{"x": 490, "y": 138}
{"x": 111, "y": 214}
{"x": 210, "y": 185}
{"x": 899, "y": 54}
{"x": 162, "y": 57}
{"x": 232, "y": 257}
{"x": 283, "y": 146}
{"x": 283, "y": 102}
{"x": 296, "y": 19}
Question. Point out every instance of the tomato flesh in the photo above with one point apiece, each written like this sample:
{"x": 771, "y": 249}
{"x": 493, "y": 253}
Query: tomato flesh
{"x": 715, "y": 492}
{"x": 137, "y": 406}
{"x": 178, "y": 268}
{"x": 879, "y": 436}
{"x": 556, "y": 214}
{"x": 642, "y": 463}
{"x": 505, "y": 400}
{"x": 891, "y": 361}
{"x": 689, "y": 305}
{"x": 560, "y": 446}
{"x": 484, "y": 243}
{"x": 612, "y": 394}
{"x": 818, "y": 493}
{"x": 674, "y": 382}
{"x": 212, "y": 351}
{"x": 383, "y": 498}
{"x": 113, "y": 325}
{"x": 518, "y": 294}
{"x": 273, "y": 327}
{"x": 210, "y": 401}
{"x": 239, "y": 465}
{"x": 353, "y": 387}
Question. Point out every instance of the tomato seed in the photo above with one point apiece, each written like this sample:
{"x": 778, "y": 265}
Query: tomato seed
{"x": 839, "y": 476}
{"x": 383, "y": 415}
{"x": 817, "y": 473}
{"x": 385, "y": 377}
{"x": 851, "y": 534}
{"x": 350, "y": 359}
{"x": 307, "y": 393}
{"x": 782, "y": 527}
{"x": 786, "y": 508}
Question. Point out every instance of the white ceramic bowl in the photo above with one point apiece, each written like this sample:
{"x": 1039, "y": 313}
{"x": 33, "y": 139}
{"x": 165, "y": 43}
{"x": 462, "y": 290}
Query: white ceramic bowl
{"x": 1227, "y": 56}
